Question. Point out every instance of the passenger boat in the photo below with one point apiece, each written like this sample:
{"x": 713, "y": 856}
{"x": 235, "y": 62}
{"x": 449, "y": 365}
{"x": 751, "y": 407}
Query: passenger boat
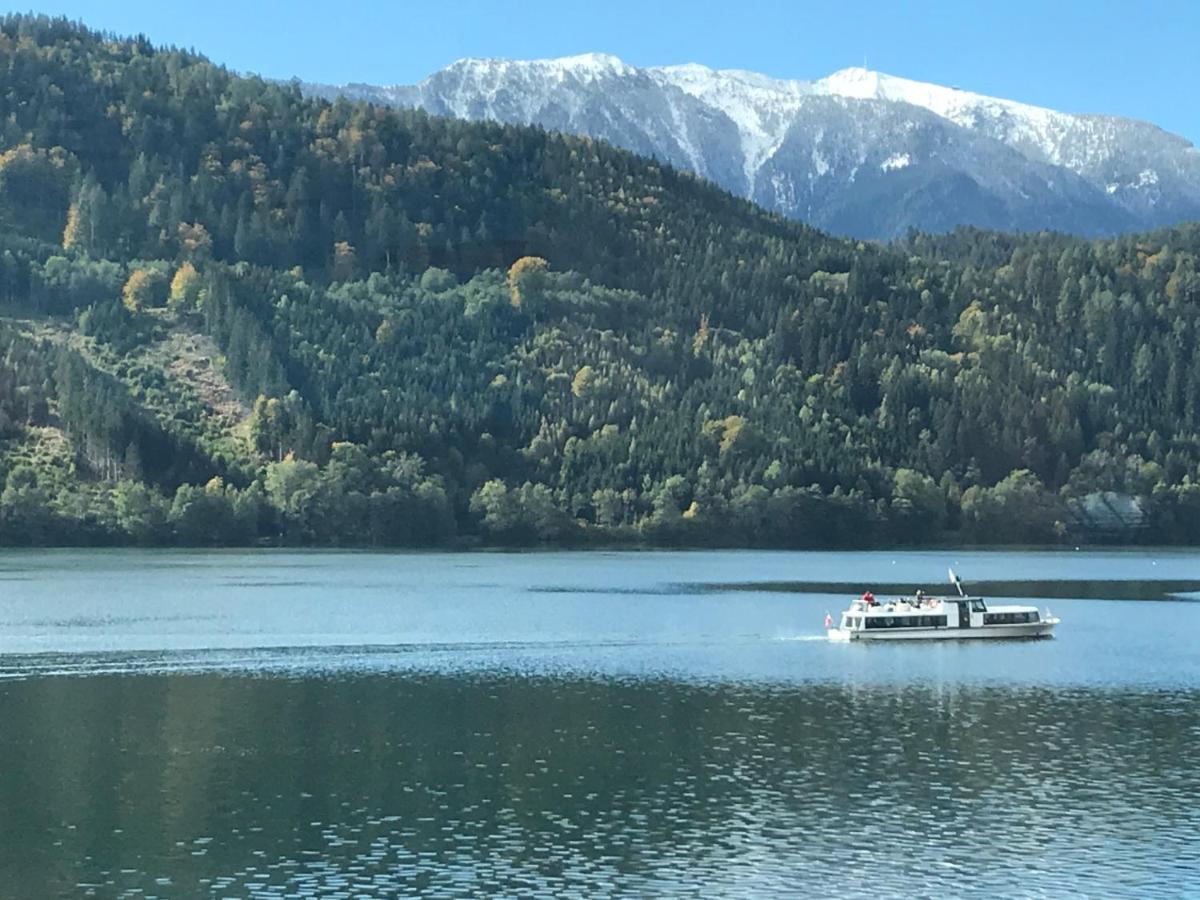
{"x": 937, "y": 618}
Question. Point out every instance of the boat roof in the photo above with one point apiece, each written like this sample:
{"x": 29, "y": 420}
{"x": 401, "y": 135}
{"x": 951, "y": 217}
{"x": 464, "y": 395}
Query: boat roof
{"x": 891, "y": 598}
{"x": 929, "y": 604}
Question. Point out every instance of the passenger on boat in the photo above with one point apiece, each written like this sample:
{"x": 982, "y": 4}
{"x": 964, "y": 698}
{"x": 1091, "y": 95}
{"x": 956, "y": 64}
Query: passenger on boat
{"x": 869, "y": 599}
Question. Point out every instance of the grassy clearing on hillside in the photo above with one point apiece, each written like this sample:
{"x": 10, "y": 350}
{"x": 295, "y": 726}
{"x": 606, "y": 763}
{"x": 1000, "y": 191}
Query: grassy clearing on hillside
{"x": 177, "y": 376}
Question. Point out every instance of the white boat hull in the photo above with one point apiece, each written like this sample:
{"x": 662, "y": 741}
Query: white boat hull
{"x": 1039, "y": 629}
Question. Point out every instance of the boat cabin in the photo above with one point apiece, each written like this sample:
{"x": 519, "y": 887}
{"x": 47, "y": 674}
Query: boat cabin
{"x": 931, "y": 613}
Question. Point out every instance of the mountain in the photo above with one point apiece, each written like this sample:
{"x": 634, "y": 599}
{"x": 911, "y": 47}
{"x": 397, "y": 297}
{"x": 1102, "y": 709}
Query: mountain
{"x": 231, "y": 314}
{"x": 858, "y": 153}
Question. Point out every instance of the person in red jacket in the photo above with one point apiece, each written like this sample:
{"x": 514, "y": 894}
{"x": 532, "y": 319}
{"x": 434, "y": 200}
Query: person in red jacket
{"x": 868, "y": 598}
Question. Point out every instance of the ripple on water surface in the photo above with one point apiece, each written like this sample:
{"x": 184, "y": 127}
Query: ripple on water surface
{"x": 468, "y": 784}
{"x": 288, "y": 725}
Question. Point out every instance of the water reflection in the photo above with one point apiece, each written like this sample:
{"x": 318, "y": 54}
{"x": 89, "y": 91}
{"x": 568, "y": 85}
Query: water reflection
{"x": 461, "y": 784}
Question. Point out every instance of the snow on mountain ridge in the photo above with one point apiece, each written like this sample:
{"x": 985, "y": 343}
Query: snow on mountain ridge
{"x": 1022, "y": 125}
{"x": 1035, "y": 127}
{"x": 583, "y": 65}
{"x": 857, "y": 151}
{"x": 1075, "y": 141}
{"x": 759, "y": 106}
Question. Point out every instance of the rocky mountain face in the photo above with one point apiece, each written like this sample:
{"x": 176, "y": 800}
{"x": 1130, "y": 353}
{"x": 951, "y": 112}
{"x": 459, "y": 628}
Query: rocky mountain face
{"x": 858, "y": 153}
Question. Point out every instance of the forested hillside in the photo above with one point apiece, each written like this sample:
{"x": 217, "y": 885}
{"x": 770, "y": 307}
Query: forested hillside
{"x": 231, "y": 314}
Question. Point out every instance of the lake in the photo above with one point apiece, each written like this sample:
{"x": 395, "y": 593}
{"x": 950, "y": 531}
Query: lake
{"x": 270, "y": 724}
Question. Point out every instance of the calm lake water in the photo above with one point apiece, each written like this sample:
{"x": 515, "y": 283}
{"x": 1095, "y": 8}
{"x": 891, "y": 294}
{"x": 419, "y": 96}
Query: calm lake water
{"x": 356, "y": 725}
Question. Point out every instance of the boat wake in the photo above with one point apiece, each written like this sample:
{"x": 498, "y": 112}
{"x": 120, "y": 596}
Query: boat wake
{"x": 802, "y": 637}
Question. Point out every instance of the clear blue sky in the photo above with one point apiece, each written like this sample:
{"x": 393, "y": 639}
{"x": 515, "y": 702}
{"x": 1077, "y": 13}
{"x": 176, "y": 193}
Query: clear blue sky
{"x": 1135, "y": 59}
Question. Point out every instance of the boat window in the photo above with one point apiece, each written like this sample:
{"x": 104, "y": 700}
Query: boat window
{"x": 1009, "y": 618}
{"x": 978, "y": 606}
{"x": 905, "y": 622}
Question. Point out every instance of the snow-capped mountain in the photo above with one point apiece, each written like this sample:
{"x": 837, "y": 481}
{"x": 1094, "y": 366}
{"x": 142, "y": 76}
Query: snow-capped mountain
{"x": 858, "y": 152}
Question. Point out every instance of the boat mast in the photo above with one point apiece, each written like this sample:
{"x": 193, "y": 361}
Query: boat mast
{"x": 957, "y": 582}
